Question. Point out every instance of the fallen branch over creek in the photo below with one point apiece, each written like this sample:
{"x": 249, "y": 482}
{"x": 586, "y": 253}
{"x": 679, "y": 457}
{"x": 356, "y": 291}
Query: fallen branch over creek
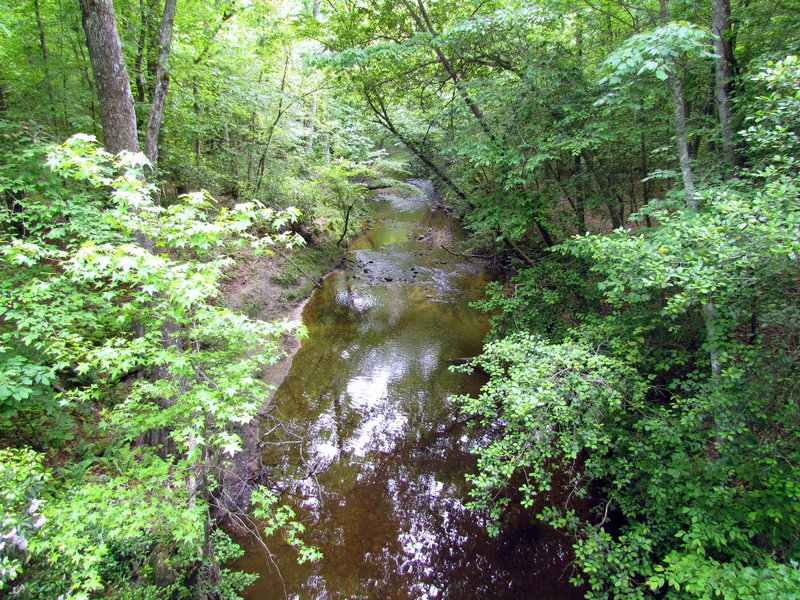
{"x": 467, "y": 256}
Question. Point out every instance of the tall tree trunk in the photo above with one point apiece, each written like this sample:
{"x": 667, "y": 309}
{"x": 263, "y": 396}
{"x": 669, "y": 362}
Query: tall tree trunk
{"x": 681, "y": 139}
{"x": 111, "y": 79}
{"x": 48, "y": 82}
{"x": 161, "y": 81}
{"x": 708, "y": 309}
{"x": 724, "y": 73}
{"x": 262, "y": 163}
{"x": 679, "y": 115}
{"x": 141, "y": 80}
{"x": 119, "y": 126}
{"x": 580, "y": 196}
{"x": 310, "y": 127}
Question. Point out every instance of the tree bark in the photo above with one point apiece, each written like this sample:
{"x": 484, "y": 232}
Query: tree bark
{"x": 161, "y": 81}
{"x": 724, "y": 73}
{"x": 119, "y": 126}
{"x": 262, "y": 163}
{"x": 708, "y": 309}
{"x": 111, "y": 78}
{"x": 48, "y": 81}
{"x": 310, "y": 127}
{"x": 378, "y": 108}
{"x": 681, "y": 139}
{"x": 679, "y": 115}
{"x": 141, "y": 83}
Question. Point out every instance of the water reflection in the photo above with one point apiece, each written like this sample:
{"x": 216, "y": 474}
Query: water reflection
{"x": 378, "y": 477}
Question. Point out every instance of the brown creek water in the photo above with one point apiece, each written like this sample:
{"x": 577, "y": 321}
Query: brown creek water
{"x": 371, "y": 451}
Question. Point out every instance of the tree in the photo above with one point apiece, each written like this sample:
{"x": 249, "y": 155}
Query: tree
{"x": 681, "y": 451}
{"x": 110, "y": 76}
{"x": 724, "y": 66}
{"x": 161, "y": 81}
{"x": 341, "y": 192}
{"x": 87, "y": 356}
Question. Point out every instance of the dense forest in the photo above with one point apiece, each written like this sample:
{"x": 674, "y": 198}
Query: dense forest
{"x": 631, "y": 167}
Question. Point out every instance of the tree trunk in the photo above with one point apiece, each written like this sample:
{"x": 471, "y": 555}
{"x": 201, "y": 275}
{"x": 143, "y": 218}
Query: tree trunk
{"x": 141, "y": 83}
{"x": 709, "y": 310}
{"x": 580, "y": 196}
{"x": 679, "y": 114}
{"x": 310, "y": 127}
{"x": 262, "y": 163}
{"x": 724, "y": 73}
{"x": 161, "y": 81}
{"x": 119, "y": 126}
{"x": 424, "y": 25}
{"x": 681, "y": 139}
{"x": 546, "y": 237}
{"x": 378, "y": 108}
{"x": 111, "y": 79}
{"x": 348, "y": 210}
{"x": 48, "y": 82}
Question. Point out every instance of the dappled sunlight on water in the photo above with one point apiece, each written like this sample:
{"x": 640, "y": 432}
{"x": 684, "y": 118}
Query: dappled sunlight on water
{"x": 375, "y": 457}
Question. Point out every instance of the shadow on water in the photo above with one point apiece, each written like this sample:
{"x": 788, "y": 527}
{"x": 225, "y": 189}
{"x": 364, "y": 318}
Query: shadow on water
{"x": 374, "y": 454}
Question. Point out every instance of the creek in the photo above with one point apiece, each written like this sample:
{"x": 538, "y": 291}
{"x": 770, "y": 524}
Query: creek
{"x": 367, "y": 445}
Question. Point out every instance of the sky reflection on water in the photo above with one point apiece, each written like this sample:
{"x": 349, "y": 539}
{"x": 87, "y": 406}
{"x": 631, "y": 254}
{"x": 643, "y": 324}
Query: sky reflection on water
{"x": 379, "y": 475}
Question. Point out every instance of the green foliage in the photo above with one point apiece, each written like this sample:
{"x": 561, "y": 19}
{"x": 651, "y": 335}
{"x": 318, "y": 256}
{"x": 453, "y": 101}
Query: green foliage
{"x": 773, "y": 116}
{"x": 545, "y": 299}
{"x": 337, "y": 188}
{"x": 555, "y": 403}
{"x": 656, "y": 52}
{"x": 87, "y": 313}
{"x": 652, "y": 360}
{"x": 675, "y": 399}
{"x": 281, "y": 519}
{"x": 100, "y": 529}
{"x": 22, "y": 477}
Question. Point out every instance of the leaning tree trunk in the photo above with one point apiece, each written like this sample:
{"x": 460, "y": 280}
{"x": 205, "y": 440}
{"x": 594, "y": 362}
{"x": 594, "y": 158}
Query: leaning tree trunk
{"x": 161, "y": 81}
{"x": 110, "y": 76}
{"x": 424, "y": 25}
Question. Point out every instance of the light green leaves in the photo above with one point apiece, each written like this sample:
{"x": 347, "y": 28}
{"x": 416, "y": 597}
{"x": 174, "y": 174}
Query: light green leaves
{"x": 280, "y": 519}
{"x": 655, "y": 52}
{"x": 552, "y": 402}
{"x": 90, "y": 311}
{"x": 22, "y": 477}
